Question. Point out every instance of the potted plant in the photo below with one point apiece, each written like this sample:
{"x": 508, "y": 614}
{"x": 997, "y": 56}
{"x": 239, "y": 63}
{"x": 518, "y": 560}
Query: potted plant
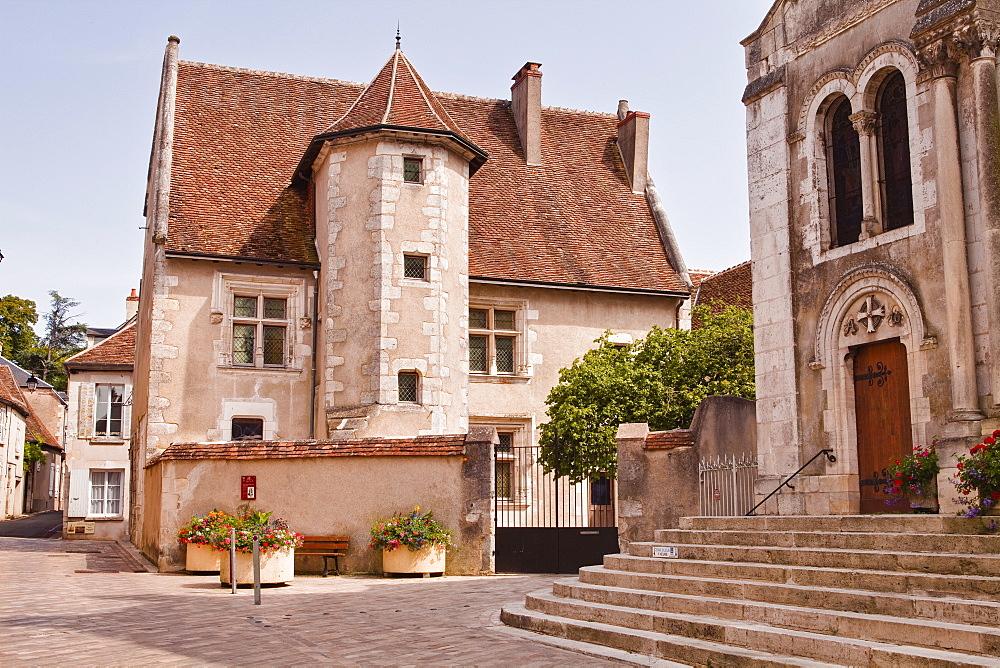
{"x": 423, "y": 537}
{"x": 277, "y": 543}
{"x": 914, "y": 479}
{"x": 199, "y": 535}
{"x": 978, "y": 478}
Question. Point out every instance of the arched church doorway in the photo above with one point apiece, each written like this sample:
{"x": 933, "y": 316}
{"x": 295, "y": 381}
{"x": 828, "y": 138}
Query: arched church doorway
{"x": 882, "y": 409}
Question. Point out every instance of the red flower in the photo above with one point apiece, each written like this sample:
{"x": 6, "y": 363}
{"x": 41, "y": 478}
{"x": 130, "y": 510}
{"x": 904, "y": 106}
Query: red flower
{"x": 989, "y": 440}
{"x": 961, "y": 465}
{"x": 897, "y": 462}
{"x": 996, "y": 433}
{"x": 995, "y": 496}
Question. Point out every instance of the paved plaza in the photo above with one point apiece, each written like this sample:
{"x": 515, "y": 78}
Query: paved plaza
{"x": 78, "y": 603}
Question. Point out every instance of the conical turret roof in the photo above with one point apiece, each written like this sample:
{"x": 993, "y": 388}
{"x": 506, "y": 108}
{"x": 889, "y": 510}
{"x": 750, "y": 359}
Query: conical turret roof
{"x": 398, "y": 99}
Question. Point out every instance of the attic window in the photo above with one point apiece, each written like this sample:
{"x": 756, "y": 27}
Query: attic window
{"x": 248, "y": 429}
{"x": 412, "y": 170}
{"x": 415, "y": 266}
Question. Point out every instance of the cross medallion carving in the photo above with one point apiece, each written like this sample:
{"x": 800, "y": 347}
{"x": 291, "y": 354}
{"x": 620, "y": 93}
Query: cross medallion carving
{"x": 871, "y": 313}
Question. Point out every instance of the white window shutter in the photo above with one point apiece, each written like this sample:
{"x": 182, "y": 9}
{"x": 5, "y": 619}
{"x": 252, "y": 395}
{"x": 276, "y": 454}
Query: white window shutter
{"x": 79, "y": 492}
{"x": 85, "y": 425}
{"x": 127, "y": 413}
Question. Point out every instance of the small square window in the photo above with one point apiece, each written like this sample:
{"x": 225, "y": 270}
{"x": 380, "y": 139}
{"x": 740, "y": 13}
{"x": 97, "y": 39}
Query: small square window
{"x": 477, "y": 318}
{"x": 408, "y": 386}
{"x": 503, "y": 320}
{"x": 248, "y": 429}
{"x": 412, "y": 170}
{"x": 245, "y": 307}
{"x": 415, "y": 266}
{"x": 274, "y": 308}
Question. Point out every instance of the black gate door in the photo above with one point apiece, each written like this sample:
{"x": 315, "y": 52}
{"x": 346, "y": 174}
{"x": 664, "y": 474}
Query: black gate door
{"x": 546, "y": 524}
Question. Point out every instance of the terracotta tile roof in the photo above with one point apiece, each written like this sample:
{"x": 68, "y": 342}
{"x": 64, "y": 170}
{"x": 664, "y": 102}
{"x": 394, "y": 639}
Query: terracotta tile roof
{"x": 698, "y": 275}
{"x": 10, "y": 393}
{"x": 396, "y": 96}
{"x": 366, "y": 447}
{"x": 38, "y": 432}
{"x": 118, "y": 350}
{"x": 733, "y": 286}
{"x": 239, "y": 136}
{"x": 665, "y": 440}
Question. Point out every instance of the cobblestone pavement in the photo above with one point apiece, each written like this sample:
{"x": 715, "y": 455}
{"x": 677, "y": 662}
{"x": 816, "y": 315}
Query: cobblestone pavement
{"x": 75, "y": 603}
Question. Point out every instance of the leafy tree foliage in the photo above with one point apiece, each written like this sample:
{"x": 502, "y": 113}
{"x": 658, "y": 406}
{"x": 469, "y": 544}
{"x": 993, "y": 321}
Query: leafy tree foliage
{"x": 32, "y": 453}
{"x": 660, "y": 380}
{"x": 62, "y": 339}
{"x": 17, "y": 318}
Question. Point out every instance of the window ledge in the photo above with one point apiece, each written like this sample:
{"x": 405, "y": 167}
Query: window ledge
{"x": 502, "y": 379}
{"x": 104, "y": 518}
{"x": 258, "y": 369}
{"x": 104, "y": 440}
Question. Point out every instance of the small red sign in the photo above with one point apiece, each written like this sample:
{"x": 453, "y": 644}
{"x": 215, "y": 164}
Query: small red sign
{"x": 248, "y": 487}
{"x": 717, "y": 494}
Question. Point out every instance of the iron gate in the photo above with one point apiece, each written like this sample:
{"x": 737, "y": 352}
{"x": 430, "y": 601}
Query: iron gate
{"x": 546, "y": 524}
{"x": 726, "y": 485}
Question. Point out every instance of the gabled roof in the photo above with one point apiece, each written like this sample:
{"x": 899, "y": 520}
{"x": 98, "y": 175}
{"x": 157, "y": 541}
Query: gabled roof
{"x": 37, "y": 432}
{"x": 239, "y": 136}
{"x": 10, "y": 393}
{"x": 21, "y": 375}
{"x": 115, "y": 353}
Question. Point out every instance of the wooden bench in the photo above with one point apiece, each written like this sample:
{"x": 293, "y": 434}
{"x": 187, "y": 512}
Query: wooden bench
{"x": 328, "y": 547}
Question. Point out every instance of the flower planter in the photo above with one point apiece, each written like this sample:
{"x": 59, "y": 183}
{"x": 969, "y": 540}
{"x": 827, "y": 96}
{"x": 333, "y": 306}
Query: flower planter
{"x": 276, "y": 566}
{"x": 201, "y": 559}
{"x": 923, "y": 503}
{"x": 426, "y": 560}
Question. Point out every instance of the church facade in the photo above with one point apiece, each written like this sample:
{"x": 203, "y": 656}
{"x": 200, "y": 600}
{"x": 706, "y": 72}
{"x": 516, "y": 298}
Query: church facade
{"x": 329, "y": 261}
{"x": 873, "y": 134}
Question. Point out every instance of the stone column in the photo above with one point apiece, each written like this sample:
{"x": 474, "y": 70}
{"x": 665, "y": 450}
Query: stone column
{"x": 865, "y": 123}
{"x": 939, "y": 58}
{"x": 980, "y": 42}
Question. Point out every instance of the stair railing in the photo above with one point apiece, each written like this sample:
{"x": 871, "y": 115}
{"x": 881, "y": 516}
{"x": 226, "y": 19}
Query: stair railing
{"x": 785, "y": 483}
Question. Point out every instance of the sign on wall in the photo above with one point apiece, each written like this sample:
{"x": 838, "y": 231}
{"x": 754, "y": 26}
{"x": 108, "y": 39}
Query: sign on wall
{"x": 248, "y": 487}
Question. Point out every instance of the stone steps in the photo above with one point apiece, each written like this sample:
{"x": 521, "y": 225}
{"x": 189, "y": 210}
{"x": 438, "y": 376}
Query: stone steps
{"x": 955, "y": 609}
{"x": 878, "y": 590}
{"x": 772, "y": 643}
{"x": 864, "y": 626}
{"x": 972, "y": 587}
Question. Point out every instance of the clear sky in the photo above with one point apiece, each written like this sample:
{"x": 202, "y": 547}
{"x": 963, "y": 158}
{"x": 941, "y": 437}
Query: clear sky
{"x": 79, "y": 80}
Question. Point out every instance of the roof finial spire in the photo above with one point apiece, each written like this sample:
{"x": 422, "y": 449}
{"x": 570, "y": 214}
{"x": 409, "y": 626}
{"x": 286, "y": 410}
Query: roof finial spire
{"x": 397, "y": 36}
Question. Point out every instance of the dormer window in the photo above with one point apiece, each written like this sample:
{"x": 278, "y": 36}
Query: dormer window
{"x": 413, "y": 170}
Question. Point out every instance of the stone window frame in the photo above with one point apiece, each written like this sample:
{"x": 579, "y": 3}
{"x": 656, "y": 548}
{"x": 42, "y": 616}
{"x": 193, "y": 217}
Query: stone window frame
{"x": 861, "y": 87}
{"x": 522, "y": 354}
{"x": 293, "y": 290}
{"x": 521, "y": 430}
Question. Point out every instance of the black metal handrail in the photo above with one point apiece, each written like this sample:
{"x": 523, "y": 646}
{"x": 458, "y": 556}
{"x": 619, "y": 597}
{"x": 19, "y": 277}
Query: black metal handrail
{"x": 825, "y": 451}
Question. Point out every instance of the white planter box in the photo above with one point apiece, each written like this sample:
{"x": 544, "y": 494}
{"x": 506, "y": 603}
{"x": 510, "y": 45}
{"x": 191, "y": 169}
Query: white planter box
{"x": 428, "y": 559}
{"x": 201, "y": 559}
{"x": 275, "y": 566}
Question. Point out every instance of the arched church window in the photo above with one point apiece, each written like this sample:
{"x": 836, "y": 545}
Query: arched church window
{"x": 894, "y": 153}
{"x": 844, "y": 169}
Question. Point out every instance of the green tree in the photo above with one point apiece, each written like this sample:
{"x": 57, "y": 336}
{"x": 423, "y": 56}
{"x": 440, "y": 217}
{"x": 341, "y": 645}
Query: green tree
{"x": 660, "y": 380}
{"x": 32, "y": 453}
{"x": 17, "y": 319}
{"x": 62, "y": 339}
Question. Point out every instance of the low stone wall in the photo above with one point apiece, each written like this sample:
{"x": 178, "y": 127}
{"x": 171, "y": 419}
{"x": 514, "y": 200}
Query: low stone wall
{"x": 324, "y": 488}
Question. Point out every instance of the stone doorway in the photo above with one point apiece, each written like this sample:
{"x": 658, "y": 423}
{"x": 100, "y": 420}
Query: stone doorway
{"x": 882, "y": 408}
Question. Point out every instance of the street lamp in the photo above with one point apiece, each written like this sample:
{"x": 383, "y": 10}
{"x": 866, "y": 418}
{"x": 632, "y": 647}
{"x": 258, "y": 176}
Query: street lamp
{"x": 32, "y": 383}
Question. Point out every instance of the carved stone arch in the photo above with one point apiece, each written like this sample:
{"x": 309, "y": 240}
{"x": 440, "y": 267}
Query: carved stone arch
{"x": 855, "y": 285}
{"x": 835, "y": 81}
{"x": 879, "y": 63}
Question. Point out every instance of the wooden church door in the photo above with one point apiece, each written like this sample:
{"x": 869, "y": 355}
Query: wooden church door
{"x": 882, "y": 406}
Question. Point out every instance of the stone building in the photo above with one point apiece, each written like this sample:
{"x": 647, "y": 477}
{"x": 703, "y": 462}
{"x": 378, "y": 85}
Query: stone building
{"x": 333, "y": 262}
{"x": 98, "y": 427}
{"x": 872, "y": 131}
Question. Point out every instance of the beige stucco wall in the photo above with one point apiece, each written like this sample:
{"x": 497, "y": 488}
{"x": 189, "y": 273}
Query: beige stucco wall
{"x": 316, "y": 496}
{"x": 376, "y": 322}
{"x": 12, "y": 430}
{"x": 559, "y": 326}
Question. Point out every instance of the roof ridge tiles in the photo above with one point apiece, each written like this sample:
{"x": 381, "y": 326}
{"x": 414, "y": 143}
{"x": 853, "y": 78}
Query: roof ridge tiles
{"x": 268, "y": 73}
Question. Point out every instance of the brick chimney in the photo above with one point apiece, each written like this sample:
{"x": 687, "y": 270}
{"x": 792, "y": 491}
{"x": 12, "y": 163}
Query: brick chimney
{"x": 131, "y": 305}
{"x": 633, "y": 144}
{"x": 526, "y": 101}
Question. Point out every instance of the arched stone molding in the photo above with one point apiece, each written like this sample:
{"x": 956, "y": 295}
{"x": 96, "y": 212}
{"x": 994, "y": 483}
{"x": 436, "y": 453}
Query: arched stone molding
{"x": 873, "y": 302}
{"x": 860, "y": 85}
{"x": 815, "y": 191}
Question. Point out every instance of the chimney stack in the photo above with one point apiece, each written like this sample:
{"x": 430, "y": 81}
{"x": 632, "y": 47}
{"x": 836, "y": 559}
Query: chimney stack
{"x": 526, "y": 101}
{"x": 131, "y": 305}
{"x": 633, "y": 144}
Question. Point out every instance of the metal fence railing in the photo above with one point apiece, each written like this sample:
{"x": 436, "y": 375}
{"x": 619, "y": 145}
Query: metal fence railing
{"x": 726, "y": 484}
